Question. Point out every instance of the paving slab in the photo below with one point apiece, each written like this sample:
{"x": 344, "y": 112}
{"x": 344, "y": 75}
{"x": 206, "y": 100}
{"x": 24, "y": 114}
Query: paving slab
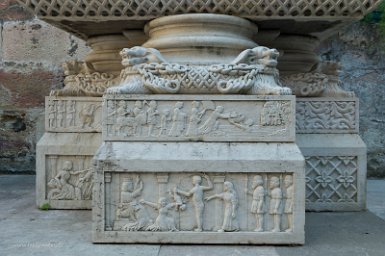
{"x": 26, "y": 230}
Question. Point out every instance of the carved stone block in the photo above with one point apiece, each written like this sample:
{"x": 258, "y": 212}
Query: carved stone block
{"x": 73, "y": 114}
{"x": 199, "y": 118}
{"x": 335, "y": 171}
{"x": 327, "y": 115}
{"x": 64, "y": 170}
{"x": 197, "y": 193}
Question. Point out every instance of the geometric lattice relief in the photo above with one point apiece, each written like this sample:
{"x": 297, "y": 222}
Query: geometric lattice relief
{"x": 331, "y": 179}
{"x": 144, "y": 9}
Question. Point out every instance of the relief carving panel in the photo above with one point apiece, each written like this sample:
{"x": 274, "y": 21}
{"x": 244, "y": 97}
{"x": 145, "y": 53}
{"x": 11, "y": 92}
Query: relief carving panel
{"x": 331, "y": 180}
{"x": 327, "y": 115}
{"x": 69, "y": 177}
{"x": 199, "y": 202}
{"x": 73, "y": 114}
{"x": 198, "y": 118}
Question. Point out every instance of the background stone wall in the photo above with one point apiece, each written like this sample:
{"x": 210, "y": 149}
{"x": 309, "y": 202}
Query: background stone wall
{"x": 361, "y": 50}
{"x": 31, "y": 53}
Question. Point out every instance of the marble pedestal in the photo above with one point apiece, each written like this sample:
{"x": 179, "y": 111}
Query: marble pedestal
{"x": 200, "y": 170}
{"x": 63, "y": 155}
{"x": 327, "y": 134}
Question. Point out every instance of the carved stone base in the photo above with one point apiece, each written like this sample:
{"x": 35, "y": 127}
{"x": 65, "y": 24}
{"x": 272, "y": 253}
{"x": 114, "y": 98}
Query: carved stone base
{"x": 197, "y": 193}
{"x": 335, "y": 171}
{"x": 64, "y": 171}
{"x": 63, "y": 160}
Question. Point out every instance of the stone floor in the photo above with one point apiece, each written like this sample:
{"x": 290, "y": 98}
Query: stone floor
{"x": 24, "y": 230}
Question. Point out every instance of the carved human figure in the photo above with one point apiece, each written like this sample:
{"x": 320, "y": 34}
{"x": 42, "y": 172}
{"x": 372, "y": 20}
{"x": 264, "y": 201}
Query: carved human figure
{"x": 275, "y": 203}
{"x": 140, "y": 116}
{"x": 120, "y": 114}
{"x": 83, "y": 185}
{"x": 165, "y": 220}
{"x": 230, "y": 200}
{"x": 178, "y": 120}
{"x": 51, "y": 114}
{"x": 129, "y": 208}
{"x": 87, "y": 115}
{"x": 164, "y": 119}
{"x": 196, "y": 194}
{"x": 258, "y": 203}
{"x": 71, "y": 110}
{"x": 212, "y": 122}
{"x": 152, "y": 114}
{"x": 61, "y": 188}
{"x": 195, "y": 119}
{"x": 61, "y": 110}
{"x": 288, "y": 196}
{"x": 180, "y": 204}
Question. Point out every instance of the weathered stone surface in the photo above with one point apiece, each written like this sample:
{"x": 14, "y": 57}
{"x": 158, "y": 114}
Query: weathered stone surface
{"x": 29, "y": 69}
{"x": 363, "y": 65}
{"x": 27, "y": 89}
{"x": 19, "y": 132}
{"x": 36, "y": 41}
{"x": 11, "y": 10}
{"x": 160, "y": 172}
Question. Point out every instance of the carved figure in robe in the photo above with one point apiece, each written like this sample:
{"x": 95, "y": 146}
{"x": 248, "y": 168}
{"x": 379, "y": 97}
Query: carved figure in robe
{"x": 275, "y": 203}
{"x": 230, "y": 201}
{"x": 288, "y": 196}
{"x": 258, "y": 203}
{"x": 178, "y": 120}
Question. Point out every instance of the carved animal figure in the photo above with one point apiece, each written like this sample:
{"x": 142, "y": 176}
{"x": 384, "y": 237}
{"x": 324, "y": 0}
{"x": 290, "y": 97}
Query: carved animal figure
{"x": 131, "y": 80}
{"x": 263, "y": 79}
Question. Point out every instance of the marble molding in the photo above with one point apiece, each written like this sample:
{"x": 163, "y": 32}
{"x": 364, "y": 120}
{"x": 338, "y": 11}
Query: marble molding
{"x": 199, "y": 193}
